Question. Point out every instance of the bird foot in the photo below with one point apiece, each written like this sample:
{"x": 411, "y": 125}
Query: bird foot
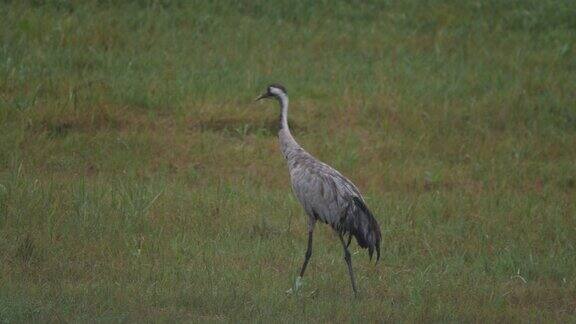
{"x": 297, "y": 286}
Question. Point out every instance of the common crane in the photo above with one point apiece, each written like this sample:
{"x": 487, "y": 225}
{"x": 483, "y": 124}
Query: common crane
{"x": 325, "y": 194}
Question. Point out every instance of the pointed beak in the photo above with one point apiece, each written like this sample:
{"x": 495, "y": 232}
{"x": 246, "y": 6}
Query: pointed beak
{"x": 263, "y": 96}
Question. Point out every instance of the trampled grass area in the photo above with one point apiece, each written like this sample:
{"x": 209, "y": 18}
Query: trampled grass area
{"x": 138, "y": 180}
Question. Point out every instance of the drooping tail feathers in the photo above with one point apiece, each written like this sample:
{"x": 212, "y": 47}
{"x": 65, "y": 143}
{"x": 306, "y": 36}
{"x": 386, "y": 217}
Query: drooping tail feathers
{"x": 360, "y": 223}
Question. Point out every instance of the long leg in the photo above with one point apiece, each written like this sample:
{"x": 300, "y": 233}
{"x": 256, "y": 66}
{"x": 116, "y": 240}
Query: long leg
{"x": 348, "y": 259}
{"x": 308, "y": 252}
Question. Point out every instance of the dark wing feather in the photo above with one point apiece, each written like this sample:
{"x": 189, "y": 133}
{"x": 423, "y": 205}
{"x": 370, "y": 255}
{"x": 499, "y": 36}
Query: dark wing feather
{"x": 360, "y": 223}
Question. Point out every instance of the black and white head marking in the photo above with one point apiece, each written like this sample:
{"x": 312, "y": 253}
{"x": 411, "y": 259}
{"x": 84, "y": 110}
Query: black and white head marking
{"x": 274, "y": 90}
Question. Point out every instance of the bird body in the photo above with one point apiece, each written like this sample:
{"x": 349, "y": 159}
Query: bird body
{"x": 326, "y": 195}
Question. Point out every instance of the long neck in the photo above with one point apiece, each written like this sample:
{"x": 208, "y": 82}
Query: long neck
{"x": 287, "y": 141}
{"x": 283, "y": 99}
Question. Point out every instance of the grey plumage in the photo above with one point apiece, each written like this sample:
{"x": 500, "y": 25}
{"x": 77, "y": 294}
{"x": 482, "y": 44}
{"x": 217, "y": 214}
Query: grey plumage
{"x": 325, "y": 194}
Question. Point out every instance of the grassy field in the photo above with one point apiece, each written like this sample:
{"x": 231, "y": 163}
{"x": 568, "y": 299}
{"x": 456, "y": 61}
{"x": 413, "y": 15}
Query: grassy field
{"x": 140, "y": 182}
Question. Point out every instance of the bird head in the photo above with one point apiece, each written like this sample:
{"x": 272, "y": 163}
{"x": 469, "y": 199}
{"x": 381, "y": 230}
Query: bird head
{"x": 274, "y": 90}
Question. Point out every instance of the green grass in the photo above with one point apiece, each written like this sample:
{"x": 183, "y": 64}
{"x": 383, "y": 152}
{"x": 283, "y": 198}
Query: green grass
{"x": 139, "y": 182}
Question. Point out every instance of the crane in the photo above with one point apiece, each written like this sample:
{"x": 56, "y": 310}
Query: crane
{"x": 326, "y": 195}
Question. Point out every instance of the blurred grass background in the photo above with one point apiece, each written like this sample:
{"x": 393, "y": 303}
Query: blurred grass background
{"x": 139, "y": 182}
